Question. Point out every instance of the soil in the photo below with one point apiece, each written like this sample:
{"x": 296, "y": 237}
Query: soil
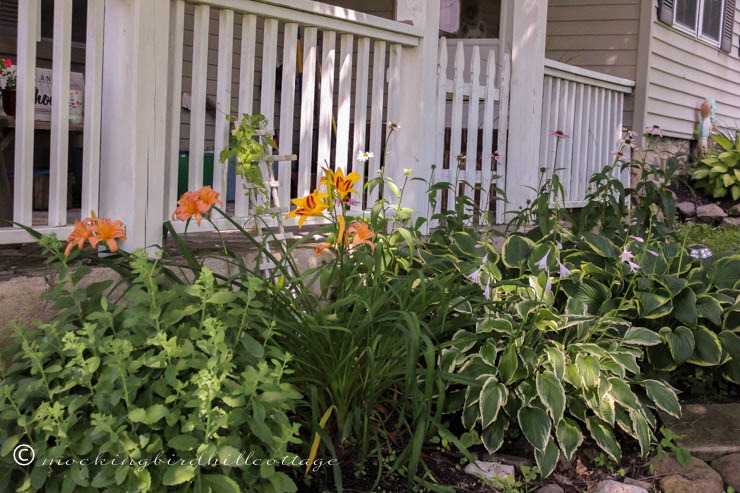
{"x": 685, "y": 193}
{"x": 589, "y": 466}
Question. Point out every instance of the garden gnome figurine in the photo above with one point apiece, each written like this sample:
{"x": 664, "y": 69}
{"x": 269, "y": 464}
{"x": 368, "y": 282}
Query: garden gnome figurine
{"x": 707, "y": 123}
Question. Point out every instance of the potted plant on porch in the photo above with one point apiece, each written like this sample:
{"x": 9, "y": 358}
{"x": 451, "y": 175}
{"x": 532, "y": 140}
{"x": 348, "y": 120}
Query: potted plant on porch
{"x": 7, "y": 72}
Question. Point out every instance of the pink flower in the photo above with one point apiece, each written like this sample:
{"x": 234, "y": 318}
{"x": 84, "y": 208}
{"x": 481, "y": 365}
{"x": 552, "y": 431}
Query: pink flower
{"x": 487, "y": 291}
{"x": 637, "y": 239}
{"x": 655, "y": 130}
{"x": 626, "y": 255}
{"x": 654, "y": 254}
{"x": 559, "y": 134}
{"x": 542, "y": 263}
{"x": 619, "y": 155}
{"x": 564, "y": 271}
{"x": 393, "y": 126}
{"x": 633, "y": 266}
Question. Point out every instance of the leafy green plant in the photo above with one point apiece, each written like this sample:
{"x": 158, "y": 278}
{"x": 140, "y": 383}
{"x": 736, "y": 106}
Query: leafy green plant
{"x": 719, "y": 174}
{"x": 166, "y": 371}
{"x": 668, "y": 445}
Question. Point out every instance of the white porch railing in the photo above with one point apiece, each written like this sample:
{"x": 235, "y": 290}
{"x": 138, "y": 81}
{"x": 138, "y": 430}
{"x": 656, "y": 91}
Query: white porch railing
{"x": 334, "y": 46}
{"x": 468, "y": 109}
{"x": 25, "y": 122}
{"x": 588, "y": 106}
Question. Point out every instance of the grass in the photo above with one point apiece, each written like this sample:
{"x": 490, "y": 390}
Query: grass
{"x": 719, "y": 239}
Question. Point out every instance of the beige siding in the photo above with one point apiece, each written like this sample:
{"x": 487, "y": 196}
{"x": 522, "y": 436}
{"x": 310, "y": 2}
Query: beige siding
{"x": 597, "y": 35}
{"x": 684, "y": 71}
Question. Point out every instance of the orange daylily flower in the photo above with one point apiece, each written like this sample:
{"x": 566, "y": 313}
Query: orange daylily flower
{"x": 310, "y": 205}
{"x": 342, "y": 184}
{"x": 107, "y": 231}
{"x": 362, "y": 234}
{"x": 207, "y": 198}
{"x": 80, "y": 235}
{"x": 341, "y": 237}
{"x": 187, "y": 207}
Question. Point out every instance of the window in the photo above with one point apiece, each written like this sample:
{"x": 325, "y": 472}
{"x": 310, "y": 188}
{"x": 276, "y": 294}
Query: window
{"x": 700, "y": 18}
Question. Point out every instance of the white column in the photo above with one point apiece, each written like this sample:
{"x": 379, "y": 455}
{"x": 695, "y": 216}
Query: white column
{"x": 133, "y": 131}
{"x": 415, "y": 142}
{"x": 526, "y": 36}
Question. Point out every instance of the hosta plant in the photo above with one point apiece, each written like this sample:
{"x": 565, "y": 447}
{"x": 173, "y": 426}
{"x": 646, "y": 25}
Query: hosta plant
{"x": 719, "y": 174}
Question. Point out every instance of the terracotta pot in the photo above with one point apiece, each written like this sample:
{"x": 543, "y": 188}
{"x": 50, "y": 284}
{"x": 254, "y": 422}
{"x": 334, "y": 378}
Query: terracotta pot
{"x": 9, "y": 101}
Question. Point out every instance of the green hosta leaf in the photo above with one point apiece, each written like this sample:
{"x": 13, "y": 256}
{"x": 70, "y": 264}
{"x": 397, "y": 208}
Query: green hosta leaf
{"x": 570, "y": 437}
{"x": 654, "y": 305}
{"x": 723, "y": 141}
{"x": 492, "y": 399}
{"x": 641, "y": 430}
{"x": 516, "y": 251}
{"x": 175, "y": 475}
{"x": 493, "y": 436}
{"x": 640, "y": 336}
{"x": 588, "y": 369}
{"x": 220, "y": 483}
{"x": 508, "y": 363}
{"x": 730, "y": 344}
{"x": 680, "y": 341}
{"x": 707, "y": 348}
{"x": 709, "y": 308}
{"x": 552, "y": 394}
{"x": 535, "y": 425}
{"x": 663, "y": 396}
{"x": 548, "y": 459}
{"x": 684, "y": 307}
{"x": 604, "y": 437}
{"x": 600, "y": 244}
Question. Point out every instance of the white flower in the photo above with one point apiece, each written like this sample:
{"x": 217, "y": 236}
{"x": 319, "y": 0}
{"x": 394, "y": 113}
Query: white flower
{"x": 542, "y": 263}
{"x": 393, "y": 126}
{"x": 364, "y": 156}
{"x": 407, "y": 171}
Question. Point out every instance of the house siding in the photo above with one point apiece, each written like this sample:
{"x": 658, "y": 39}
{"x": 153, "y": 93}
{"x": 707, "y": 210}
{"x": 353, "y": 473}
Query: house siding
{"x": 685, "y": 71}
{"x": 597, "y": 35}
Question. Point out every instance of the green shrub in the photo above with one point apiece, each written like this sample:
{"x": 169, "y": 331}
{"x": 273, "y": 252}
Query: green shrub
{"x": 168, "y": 369}
{"x": 719, "y": 175}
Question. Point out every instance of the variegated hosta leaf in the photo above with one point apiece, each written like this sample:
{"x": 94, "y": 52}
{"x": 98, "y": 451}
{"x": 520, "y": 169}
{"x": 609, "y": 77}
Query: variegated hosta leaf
{"x": 663, "y": 396}
{"x": 493, "y": 435}
{"x": 552, "y": 394}
{"x": 570, "y": 437}
{"x": 641, "y": 336}
{"x": 547, "y": 459}
{"x": 707, "y": 347}
{"x": 604, "y": 437}
{"x": 680, "y": 341}
{"x": 588, "y": 368}
{"x": 535, "y": 425}
{"x": 492, "y": 398}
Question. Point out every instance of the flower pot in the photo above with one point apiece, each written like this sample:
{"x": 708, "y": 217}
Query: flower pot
{"x": 9, "y": 101}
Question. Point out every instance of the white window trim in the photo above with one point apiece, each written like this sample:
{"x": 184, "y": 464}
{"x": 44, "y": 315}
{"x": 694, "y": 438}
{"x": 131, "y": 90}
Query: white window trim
{"x": 697, "y": 34}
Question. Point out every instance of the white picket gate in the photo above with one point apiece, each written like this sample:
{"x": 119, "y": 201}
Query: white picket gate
{"x": 588, "y": 107}
{"x": 25, "y": 125}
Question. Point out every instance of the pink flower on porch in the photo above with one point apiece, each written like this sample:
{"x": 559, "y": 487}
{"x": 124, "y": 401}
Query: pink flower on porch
{"x": 619, "y": 155}
{"x": 559, "y": 134}
{"x": 655, "y": 131}
{"x": 393, "y": 126}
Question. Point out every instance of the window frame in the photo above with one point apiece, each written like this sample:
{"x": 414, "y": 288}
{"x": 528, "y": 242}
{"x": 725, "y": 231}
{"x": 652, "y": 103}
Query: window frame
{"x": 697, "y": 34}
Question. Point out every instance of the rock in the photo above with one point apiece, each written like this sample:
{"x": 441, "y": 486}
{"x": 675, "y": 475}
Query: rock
{"x": 709, "y": 430}
{"x": 734, "y": 211}
{"x": 688, "y": 209}
{"x": 550, "y": 488}
{"x": 729, "y": 468}
{"x": 513, "y": 460}
{"x": 710, "y": 212}
{"x": 731, "y": 221}
{"x": 697, "y": 477}
{"x": 491, "y": 471}
{"x": 610, "y": 486}
{"x": 636, "y": 482}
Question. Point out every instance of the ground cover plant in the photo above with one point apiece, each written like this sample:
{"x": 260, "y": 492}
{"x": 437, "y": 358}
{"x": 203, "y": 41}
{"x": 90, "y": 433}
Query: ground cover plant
{"x": 399, "y": 339}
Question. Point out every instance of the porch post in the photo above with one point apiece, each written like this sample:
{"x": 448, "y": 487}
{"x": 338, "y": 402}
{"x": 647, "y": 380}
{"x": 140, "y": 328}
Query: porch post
{"x": 417, "y": 112}
{"x": 133, "y": 117}
{"x": 526, "y": 37}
